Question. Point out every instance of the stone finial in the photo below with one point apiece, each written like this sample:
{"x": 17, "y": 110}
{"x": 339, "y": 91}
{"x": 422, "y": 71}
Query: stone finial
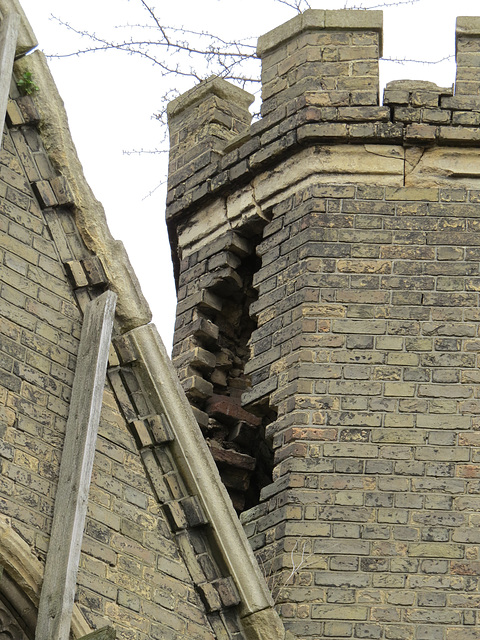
{"x": 320, "y": 50}
{"x": 467, "y": 53}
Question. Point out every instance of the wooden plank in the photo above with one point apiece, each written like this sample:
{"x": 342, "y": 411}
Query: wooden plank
{"x": 8, "y": 42}
{"x": 105, "y": 633}
{"x": 58, "y": 590}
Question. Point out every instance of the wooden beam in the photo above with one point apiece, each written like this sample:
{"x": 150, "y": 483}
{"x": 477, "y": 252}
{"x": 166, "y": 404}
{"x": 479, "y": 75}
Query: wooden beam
{"x": 58, "y": 590}
{"x": 106, "y": 633}
{"x": 8, "y": 42}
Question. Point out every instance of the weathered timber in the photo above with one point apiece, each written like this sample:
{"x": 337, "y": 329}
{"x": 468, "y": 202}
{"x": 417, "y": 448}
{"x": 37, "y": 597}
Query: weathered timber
{"x": 8, "y": 43}
{"x": 58, "y": 590}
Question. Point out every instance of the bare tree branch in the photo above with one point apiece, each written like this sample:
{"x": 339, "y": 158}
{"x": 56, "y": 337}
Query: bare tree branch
{"x": 381, "y": 5}
{"x": 296, "y": 5}
{"x": 179, "y": 52}
{"x": 409, "y": 60}
{"x": 216, "y": 55}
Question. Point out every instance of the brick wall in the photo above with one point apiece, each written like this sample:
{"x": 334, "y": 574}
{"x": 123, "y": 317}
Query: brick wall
{"x": 375, "y": 368}
{"x": 146, "y": 569}
{"x": 362, "y": 359}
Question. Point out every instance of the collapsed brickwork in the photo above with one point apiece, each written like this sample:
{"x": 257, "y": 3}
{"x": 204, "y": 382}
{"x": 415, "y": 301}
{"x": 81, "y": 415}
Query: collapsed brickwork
{"x": 348, "y": 231}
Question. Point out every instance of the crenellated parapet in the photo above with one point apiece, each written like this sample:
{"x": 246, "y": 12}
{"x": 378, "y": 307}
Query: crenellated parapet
{"x": 319, "y": 84}
{"x": 336, "y": 52}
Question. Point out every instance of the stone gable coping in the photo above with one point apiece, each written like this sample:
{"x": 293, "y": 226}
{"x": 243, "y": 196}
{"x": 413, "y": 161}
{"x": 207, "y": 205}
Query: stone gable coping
{"x": 201, "y": 477}
{"x": 132, "y": 309}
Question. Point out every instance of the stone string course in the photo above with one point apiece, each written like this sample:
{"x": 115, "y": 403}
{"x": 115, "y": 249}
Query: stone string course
{"x": 343, "y": 234}
{"x": 416, "y": 113}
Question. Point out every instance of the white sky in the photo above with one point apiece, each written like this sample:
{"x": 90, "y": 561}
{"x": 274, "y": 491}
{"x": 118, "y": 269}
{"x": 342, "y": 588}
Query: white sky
{"x": 110, "y": 99}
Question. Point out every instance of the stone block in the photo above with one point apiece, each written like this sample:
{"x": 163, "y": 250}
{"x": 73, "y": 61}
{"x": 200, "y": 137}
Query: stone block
{"x": 175, "y": 515}
{"x": 94, "y": 271}
{"x": 62, "y": 190}
{"x": 76, "y": 273}
{"x": 193, "y": 512}
{"x": 45, "y": 194}
{"x": 142, "y": 433}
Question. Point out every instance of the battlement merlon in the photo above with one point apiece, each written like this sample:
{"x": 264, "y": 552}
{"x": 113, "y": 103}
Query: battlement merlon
{"x": 334, "y": 51}
{"x": 467, "y": 55}
{"x": 201, "y": 123}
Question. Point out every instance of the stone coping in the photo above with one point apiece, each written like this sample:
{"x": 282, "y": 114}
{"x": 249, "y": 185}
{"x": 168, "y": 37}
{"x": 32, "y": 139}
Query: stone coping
{"x": 318, "y": 19}
{"x": 26, "y": 38}
{"x": 132, "y": 308}
{"x": 202, "y": 479}
{"x": 468, "y": 26}
{"x": 212, "y": 86}
{"x": 322, "y": 118}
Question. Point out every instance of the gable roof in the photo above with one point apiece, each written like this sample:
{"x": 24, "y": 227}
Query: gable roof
{"x": 141, "y": 380}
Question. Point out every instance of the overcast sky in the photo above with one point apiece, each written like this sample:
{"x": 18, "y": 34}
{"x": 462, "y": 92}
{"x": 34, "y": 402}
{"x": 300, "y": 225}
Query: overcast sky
{"x": 110, "y": 99}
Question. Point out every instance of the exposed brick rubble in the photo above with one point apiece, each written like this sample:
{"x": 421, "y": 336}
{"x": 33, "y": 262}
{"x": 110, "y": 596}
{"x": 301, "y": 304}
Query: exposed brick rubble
{"x": 214, "y": 294}
{"x": 363, "y": 339}
{"x": 210, "y": 352}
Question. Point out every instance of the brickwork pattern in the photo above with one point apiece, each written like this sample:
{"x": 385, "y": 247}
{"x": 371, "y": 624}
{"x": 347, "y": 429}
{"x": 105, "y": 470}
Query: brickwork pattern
{"x": 334, "y": 52}
{"x": 147, "y": 566}
{"x": 367, "y": 341}
{"x": 363, "y": 355}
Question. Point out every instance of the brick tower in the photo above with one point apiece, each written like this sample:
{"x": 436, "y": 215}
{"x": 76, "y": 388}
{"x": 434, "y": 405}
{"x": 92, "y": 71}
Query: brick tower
{"x": 328, "y": 267}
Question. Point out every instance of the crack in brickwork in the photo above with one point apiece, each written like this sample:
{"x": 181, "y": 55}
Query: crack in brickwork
{"x": 210, "y": 351}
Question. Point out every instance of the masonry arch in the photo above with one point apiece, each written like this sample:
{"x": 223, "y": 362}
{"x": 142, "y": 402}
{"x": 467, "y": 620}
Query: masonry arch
{"x": 17, "y": 612}
{"x": 20, "y": 587}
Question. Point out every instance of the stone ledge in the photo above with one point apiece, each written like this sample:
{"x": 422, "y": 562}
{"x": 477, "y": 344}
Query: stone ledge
{"x": 302, "y": 123}
{"x": 468, "y": 26}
